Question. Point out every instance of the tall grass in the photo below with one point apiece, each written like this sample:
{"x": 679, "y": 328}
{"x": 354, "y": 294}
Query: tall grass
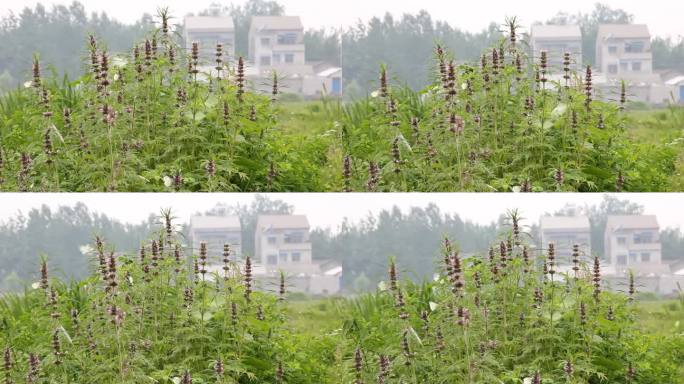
{"x": 505, "y": 315}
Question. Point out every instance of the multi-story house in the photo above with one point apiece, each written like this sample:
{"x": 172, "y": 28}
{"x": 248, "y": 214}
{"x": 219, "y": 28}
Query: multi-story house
{"x": 282, "y": 243}
{"x": 208, "y": 31}
{"x": 565, "y": 232}
{"x": 633, "y": 243}
{"x": 557, "y": 40}
{"x": 216, "y": 231}
{"x": 623, "y": 51}
{"x": 276, "y": 43}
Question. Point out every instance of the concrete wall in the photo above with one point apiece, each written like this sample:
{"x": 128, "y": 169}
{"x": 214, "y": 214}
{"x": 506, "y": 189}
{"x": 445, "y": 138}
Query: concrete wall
{"x": 312, "y": 284}
{"x": 556, "y": 49}
{"x": 215, "y": 239}
{"x": 207, "y": 44}
{"x": 662, "y": 285}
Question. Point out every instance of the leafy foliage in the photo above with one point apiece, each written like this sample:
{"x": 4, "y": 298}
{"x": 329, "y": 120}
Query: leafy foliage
{"x": 507, "y": 124}
{"x": 152, "y": 317}
{"x": 140, "y": 123}
{"x": 506, "y": 315}
{"x": 156, "y": 120}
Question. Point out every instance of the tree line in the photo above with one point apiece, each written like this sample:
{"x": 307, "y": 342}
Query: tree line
{"x": 404, "y": 43}
{"x": 363, "y": 248}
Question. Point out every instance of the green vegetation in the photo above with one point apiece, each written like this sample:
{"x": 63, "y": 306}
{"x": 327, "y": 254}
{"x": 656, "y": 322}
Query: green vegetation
{"x": 152, "y": 121}
{"x": 661, "y": 126}
{"x": 503, "y": 315}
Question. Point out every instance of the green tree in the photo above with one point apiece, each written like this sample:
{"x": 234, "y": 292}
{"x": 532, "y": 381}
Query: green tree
{"x": 60, "y": 233}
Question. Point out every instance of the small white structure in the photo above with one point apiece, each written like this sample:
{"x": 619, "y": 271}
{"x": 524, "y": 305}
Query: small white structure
{"x": 565, "y": 232}
{"x": 676, "y": 86}
{"x": 633, "y": 243}
{"x": 208, "y": 31}
{"x": 216, "y": 231}
{"x": 276, "y": 43}
{"x": 557, "y": 40}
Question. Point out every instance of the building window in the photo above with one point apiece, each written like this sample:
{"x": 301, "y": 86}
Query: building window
{"x": 272, "y": 260}
{"x": 645, "y": 257}
{"x": 272, "y": 239}
{"x": 296, "y": 257}
{"x": 634, "y": 47}
{"x": 289, "y": 58}
{"x": 287, "y": 38}
{"x": 643, "y": 238}
{"x": 612, "y": 49}
{"x": 621, "y": 240}
{"x": 612, "y": 68}
{"x": 633, "y": 257}
{"x": 636, "y": 66}
{"x": 622, "y": 260}
{"x": 283, "y": 257}
{"x": 276, "y": 58}
{"x": 265, "y": 60}
{"x": 294, "y": 238}
{"x": 265, "y": 41}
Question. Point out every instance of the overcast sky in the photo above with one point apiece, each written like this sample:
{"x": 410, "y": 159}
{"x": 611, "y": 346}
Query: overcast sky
{"x": 327, "y": 210}
{"x": 664, "y": 17}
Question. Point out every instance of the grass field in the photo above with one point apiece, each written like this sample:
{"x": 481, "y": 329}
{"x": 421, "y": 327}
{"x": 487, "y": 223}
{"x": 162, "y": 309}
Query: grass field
{"x": 653, "y": 126}
{"x": 658, "y": 126}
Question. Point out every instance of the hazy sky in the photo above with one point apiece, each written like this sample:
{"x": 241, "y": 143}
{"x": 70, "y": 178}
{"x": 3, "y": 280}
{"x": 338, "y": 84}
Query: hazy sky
{"x": 664, "y": 17}
{"x": 327, "y": 210}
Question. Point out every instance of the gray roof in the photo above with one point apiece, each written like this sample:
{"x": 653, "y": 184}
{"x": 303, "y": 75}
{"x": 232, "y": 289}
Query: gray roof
{"x": 277, "y": 23}
{"x": 565, "y": 222}
{"x": 283, "y": 222}
{"x": 632, "y": 222}
{"x": 623, "y": 31}
{"x": 215, "y": 222}
{"x": 209, "y": 23}
{"x": 556, "y": 31}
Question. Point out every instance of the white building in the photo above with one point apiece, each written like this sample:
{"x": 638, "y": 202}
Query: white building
{"x": 276, "y": 43}
{"x": 623, "y": 51}
{"x": 633, "y": 243}
{"x": 557, "y": 40}
{"x": 282, "y": 244}
{"x": 216, "y": 231}
{"x": 676, "y": 86}
{"x": 565, "y": 232}
{"x": 208, "y": 31}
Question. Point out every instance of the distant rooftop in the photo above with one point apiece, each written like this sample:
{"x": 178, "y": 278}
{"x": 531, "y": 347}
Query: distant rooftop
{"x": 277, "y": 22}
{"x": 632, "y": 222}
{"x": 675, "y": 80}
{"x": 215, "y": 222}
{"x": 564, "y": 222}
{"x": 209, "y": 23}
{"x": 623, "y": 31}
{"x": 556, "y": 31}
{"x": 283, "y": 222}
